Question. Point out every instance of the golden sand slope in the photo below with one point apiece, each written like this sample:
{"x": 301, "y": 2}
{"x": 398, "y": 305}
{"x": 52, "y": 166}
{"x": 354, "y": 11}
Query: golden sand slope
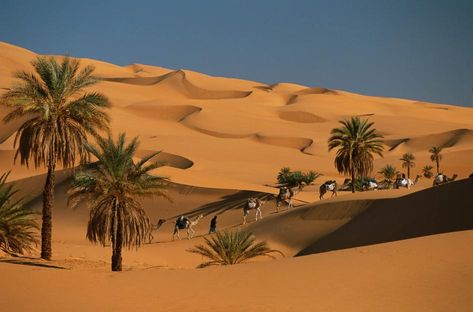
{"x": 428, "y": 273}
{"x": 229, "y": 128}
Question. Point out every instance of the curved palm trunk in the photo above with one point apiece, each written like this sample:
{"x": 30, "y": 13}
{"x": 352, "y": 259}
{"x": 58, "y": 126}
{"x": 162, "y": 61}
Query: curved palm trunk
{"x": 118, "y": 241}
{"x": 46, "y": 227}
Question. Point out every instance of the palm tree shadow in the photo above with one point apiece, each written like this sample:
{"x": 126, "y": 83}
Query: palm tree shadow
{"x": 32, "y": 263}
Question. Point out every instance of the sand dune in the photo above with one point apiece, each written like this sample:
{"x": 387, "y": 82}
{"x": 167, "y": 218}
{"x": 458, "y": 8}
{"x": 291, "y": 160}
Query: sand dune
{"x": 179, "y": 81}
{"x": 168, "y": 159}
{"x": 300, "y": 116}
{"x": 457, "y": 137}
{"x": 168, "y": 108}
{"x": 223, "y": 140}
{"x": 316, "y": 90}
{"x": 443, "y": 209}
{"x": 175, "y": 113}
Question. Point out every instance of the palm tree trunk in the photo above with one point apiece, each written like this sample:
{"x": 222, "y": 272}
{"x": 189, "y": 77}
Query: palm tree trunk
{"x": 408, "y": 172}
{"x": 352, "y": 180}
{"x": 438, "y": 165}
{"x": 117, "y": 250}
{"x": 48, "y": 199}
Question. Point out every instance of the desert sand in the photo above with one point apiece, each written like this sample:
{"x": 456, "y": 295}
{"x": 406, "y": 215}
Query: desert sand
{"x": 223, "y": 140}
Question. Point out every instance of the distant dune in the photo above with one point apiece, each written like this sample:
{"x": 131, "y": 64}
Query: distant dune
{"x": 218, "y": 122}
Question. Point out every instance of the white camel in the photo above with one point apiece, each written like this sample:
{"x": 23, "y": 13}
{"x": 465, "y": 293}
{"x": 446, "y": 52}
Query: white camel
{"x": 328, "y": 186}
{"x": 184, "y": 223}
{"x": 404, "y": 182}
{"x": 253, "y": 203}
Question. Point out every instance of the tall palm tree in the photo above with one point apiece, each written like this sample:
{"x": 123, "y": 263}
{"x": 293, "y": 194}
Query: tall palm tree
{"x": 111, "y": 190}
{"x": 356, "y": 141}
{"x": 229, "y": 248}
{"x": 436, "y": 156}
{"x": 408, "y": 162}
{"x": 17, "y": 221}
{"x": 60, "y": 115}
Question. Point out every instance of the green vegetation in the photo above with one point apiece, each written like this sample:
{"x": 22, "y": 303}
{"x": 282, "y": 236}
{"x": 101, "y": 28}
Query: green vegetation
{"x": 17, "y": 222}
{"x": 59, "y": 117}
{"x": 356, "y": 143}
{"x": 436, "y": 156}
{"x": 389, "y": 173}
{"x": 427, "y": 172}
{"x": 111, "y": 190}
{"x": 296, "y": 178}
{"x": 408, "y": 162}
{"x": 227, "y": 248}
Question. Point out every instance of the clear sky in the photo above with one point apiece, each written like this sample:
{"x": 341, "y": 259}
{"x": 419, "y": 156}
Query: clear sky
{"x": 419, "y": 49}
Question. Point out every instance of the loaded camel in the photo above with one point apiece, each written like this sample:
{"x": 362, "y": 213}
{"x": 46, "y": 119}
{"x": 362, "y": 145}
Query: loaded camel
{"x": 442, "y": 179}
{"x": 184, "y": 223}
{"x": 404, "y": 182}
{"x": 328, "y": 186}
{"x": 253, "y": 203}
{"x": 286, "y": 194}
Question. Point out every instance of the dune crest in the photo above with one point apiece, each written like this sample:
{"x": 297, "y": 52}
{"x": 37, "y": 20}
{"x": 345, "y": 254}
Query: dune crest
{"x": 457, "y": 137}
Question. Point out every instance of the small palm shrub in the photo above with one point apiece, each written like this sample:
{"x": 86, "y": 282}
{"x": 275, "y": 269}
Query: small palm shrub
{"x": 389, "y": 173}
{"x": 17, "y": 222}
{"x": 296, "y": 178}
{"x": 227, "y": 248}
{"x": 427, "y": 172}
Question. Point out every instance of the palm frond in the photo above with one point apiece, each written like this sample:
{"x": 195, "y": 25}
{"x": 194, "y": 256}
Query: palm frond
{"x": 18, "y": 227}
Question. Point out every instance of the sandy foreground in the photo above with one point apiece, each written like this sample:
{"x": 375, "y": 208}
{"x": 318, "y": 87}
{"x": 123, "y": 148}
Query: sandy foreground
{"x": 223, "y": 140}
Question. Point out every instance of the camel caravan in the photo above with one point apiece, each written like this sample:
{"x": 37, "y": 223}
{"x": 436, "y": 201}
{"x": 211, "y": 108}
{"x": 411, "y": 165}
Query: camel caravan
{"x": 290, "y": 183}
{"x": 287, "y": 192}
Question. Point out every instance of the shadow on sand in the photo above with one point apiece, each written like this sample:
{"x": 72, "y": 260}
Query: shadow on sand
{"x": 32, "y": 262}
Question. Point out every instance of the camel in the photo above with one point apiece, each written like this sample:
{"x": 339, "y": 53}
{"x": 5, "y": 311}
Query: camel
{"x": 253, "y": 203}
{"x": 326, "y": 187}
{"x": 407, "y": 183}
{"x": 184, "y": 223}
{"x": 369, "y": 185}
{"x": 285, "y": 195}
{"x": 442, "y": 179}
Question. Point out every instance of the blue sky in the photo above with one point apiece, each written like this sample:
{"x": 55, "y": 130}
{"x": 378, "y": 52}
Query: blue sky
{"x": 412, "y": 49}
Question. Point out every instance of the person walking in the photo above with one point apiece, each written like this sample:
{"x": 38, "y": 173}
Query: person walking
{"x": 213, "y": 225}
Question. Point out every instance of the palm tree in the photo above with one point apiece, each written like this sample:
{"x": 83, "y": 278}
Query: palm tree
{"x": 229, "y": 248}
{"x": 408, "y": 162}
{"x": 356, "y": 141}
{"x": 111, "y": 190}
{"x": 60, "y": 115}
{"x": 17, "y": 222}
{"x": 436, "y": 156}
{"x": 427, "y": 171}
{"x": 389, "y": 173}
